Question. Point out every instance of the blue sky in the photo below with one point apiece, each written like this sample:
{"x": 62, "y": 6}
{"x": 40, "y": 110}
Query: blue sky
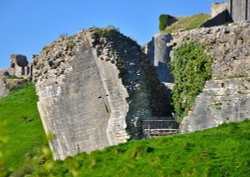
{"x": 26, "y": 26}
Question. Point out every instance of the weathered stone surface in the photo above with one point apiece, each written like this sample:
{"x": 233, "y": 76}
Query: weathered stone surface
{"x": 217, "y": 8}
{"x": 226, "y": 100}
{"x": 3, "y": 90}
{"x": 19, "y": 66}
{"x": 239, "y": 10}
{"x": 8, "y": 84}
{"x": 220, "y": 19}
{"x": 159, "y": 56}
{"x": 12, "y": 84}
{"x": 19, "y": 60}
{"x": 226, "y": 97}
{"x": 95, "y": 93}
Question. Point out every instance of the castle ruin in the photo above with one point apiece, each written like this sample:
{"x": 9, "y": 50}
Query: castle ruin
{"x": 19, "y": 65}
{"x": 95, "y": 88}
{"x": 239, "y": 10}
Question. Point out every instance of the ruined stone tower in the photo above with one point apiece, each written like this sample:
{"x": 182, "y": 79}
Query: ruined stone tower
{"x": 19, "y": 65}
{"x": 239, "y": 10}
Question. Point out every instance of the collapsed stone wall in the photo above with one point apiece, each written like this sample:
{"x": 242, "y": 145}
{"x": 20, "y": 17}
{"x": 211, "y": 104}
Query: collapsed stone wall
{"x": 226, "y": 97}
{"x": 19, "y": 66}
{"x": 94, "y": 90}
{"x": 15, "y": 76}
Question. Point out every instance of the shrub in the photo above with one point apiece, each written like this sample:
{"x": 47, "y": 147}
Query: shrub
{"x": 164, "y": 19}
{"x": 70, "y": 44}
{"x": 105, "y": 32}
{"x": 191, "y": 67}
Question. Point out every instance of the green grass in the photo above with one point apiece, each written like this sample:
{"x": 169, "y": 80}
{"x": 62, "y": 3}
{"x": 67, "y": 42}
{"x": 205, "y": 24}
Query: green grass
{"x": 217, "y": 152}
{"x": 23, "y": 126}
{"x": 188, "y": 23}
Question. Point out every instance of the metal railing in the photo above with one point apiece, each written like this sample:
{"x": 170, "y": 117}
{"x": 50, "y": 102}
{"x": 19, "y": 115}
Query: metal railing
{"x": 159, "y": 127}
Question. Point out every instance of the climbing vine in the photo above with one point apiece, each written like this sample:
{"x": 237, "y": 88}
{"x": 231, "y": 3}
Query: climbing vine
{"x": 191, "y": 67}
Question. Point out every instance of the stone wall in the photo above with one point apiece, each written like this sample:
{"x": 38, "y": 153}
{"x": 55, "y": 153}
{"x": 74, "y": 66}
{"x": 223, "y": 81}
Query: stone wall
{"x": 217, "y": 8}
{"x": 240, "y": 10}
{"x": 220, "y": 19}
{"x": 16, "y": 76}
{"x": 158, "y": 54}
{"x": 3, "y": 90}
{"x": 93, "y": 91}
{"x": 226, "y": 97}
{"x": 19, "y": 66}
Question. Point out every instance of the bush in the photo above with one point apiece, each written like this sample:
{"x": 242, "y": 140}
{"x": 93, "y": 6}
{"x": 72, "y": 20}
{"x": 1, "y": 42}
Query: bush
{"x": 105, "y": 32}
{"x": 70, "y": 44}
{"x": 164, "y": 19}
{"x": 191, "y": 67}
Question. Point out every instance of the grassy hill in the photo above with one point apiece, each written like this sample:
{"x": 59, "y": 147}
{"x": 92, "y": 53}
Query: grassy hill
{"x": 22, "y": 126}
{"x": 187, "y": 23}
{"x": 222, "y": 151}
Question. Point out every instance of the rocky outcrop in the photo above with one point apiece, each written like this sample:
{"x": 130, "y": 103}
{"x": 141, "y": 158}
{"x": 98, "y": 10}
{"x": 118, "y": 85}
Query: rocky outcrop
{"x": 226, "y": 97}
{"x": 94, "y": 90}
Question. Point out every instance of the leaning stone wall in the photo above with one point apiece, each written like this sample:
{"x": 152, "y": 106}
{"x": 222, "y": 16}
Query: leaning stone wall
{"x": 73, "y": 106}
{"x": 94, "y": 91}
{"x": 226, "y": 97}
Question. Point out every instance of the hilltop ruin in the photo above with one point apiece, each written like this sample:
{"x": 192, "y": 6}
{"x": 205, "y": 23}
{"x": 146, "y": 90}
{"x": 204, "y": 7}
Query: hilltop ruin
{"x": 97, "y": 87}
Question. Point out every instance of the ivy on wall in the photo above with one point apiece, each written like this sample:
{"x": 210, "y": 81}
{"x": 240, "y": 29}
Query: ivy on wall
{"x": 164, "y": 21}
{"x": 191, "y": 67}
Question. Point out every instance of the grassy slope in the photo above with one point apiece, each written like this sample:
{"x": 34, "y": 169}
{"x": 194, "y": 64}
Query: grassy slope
{"x": 22, "y": 125}
{"x": 188, "y": 23}
{"x": 222, "y": 151}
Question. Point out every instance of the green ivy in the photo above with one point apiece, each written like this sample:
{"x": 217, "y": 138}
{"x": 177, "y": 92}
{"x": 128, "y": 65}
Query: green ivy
{"x": 191, "y": 67}
{"x": 164, "y": 20}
